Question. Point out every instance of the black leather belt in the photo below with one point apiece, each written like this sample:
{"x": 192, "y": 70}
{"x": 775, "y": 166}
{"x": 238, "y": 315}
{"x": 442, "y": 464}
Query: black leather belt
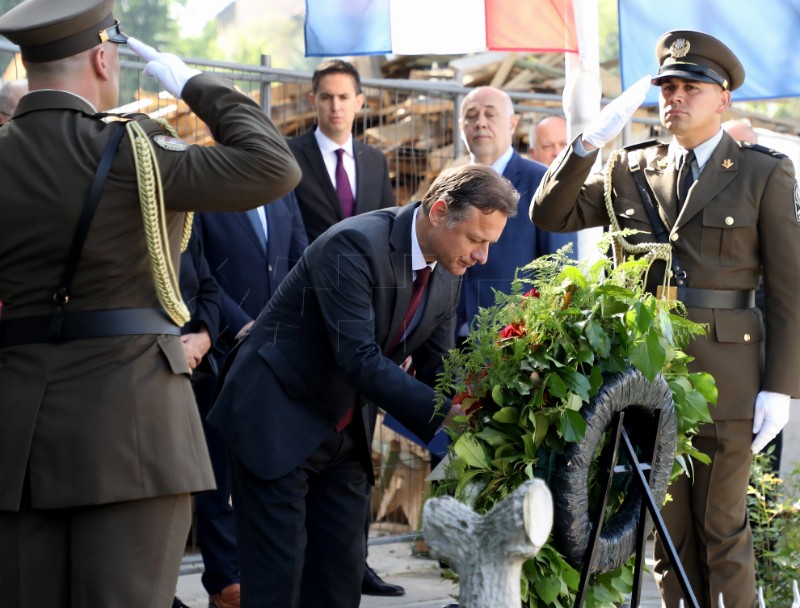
{"x": 83, "y": 325}
{"x": 716, "y": 298}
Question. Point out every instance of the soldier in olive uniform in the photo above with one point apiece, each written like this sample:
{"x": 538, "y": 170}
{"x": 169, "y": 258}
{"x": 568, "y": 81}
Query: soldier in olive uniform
{"x": 101, "y": 439}
{"x": 733, "y": 218}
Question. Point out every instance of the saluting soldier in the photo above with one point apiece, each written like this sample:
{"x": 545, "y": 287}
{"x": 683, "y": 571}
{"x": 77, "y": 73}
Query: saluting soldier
{"x": 725, "y": 214}
{"x": 101, "y": 439}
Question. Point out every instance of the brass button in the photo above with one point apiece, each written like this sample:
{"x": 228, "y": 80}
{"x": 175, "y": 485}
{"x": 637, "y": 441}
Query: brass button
{"x": 729, "y": 221}
{"x": 629, "y": 212}
{"x": 673, "y": 236}
{"x": 747, "y": 337}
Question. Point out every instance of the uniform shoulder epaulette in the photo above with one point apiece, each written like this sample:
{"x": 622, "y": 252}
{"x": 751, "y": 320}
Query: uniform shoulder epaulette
{"x": 643, "y": 144}
{"x": 744, "y": 145}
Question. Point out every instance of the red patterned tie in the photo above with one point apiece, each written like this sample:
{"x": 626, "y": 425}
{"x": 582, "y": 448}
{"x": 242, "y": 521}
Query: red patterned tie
{"x": 343, "y": 188}
{"x": 423, "y": 274}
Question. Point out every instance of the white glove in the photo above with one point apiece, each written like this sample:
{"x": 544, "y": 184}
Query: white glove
{"x": 770, "y": 416}
{"x": 607, "y": 125}
{"x": 170, "y": 71}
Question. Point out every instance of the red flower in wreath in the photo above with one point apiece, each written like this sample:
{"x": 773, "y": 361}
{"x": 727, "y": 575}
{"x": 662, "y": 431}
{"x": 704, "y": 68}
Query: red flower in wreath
{"x": 512, "y": 330}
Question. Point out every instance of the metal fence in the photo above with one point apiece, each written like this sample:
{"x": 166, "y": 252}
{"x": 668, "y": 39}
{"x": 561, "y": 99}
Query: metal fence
{"x": 413, "y": 122}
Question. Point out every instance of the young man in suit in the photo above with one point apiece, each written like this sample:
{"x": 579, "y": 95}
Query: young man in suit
{"x": 730, "y": 213}
{"x": 488, "y": 123}
{"x": 249, "y": 254}
{"x": 335, "y": 184}
{"x": 368, "y": 293}
{"x": 102, "y": 443}
{"x": 341, "y": 178}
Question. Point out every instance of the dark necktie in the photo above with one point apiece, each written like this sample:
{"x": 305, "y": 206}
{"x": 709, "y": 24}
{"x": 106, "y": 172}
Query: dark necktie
{"x": 685, "y": 176}
{"x": 423, "y": 274}
{"x": 343, "y": 188}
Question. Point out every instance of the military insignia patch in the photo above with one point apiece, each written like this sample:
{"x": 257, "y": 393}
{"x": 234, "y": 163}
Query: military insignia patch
{"x": 173, "y": 144}
{"x": 796, "y": 202}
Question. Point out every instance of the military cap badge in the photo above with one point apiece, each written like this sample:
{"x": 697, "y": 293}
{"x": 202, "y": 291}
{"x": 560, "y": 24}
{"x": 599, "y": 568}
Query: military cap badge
{"x": 679, "y": 48}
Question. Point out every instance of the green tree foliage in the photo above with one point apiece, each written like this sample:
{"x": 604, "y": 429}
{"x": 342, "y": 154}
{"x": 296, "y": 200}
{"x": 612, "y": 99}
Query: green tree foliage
{"x": 149, "y": 20}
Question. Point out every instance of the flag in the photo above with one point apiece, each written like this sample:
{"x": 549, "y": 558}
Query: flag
{"x": 763, "y": 35}
{"x": 438, "y": 27}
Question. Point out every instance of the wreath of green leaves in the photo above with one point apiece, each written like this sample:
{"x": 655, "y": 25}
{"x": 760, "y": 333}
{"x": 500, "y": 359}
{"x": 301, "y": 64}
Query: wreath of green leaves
{"x": 529, "y": 365}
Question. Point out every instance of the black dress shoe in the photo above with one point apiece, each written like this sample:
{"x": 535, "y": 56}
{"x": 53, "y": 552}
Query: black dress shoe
{"x": 177, "y": 603}
{"x": 372, "y": 584}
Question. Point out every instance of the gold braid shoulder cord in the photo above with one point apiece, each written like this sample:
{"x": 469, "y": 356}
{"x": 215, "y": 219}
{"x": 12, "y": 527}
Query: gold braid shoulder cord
{"x": 151, "y": 197}
{"x": 651, "y": 251}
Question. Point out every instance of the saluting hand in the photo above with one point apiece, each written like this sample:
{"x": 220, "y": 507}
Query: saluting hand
{"x": 170, "y": 71}
{"x": 613, "y": 117}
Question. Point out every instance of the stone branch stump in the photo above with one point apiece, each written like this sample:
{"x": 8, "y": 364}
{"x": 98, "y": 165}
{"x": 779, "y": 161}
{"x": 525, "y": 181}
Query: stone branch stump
{"x": 488, "y": 550}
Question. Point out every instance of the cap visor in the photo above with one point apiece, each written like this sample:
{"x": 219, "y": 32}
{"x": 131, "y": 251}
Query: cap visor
{"x": 682, "y": 74}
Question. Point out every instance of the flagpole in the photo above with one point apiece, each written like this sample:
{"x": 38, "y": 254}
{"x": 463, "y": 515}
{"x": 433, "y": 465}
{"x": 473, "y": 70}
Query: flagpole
{"x": 582, "y": 93}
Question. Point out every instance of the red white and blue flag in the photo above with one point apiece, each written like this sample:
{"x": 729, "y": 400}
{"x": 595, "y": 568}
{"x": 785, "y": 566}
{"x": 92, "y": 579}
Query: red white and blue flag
{"x": 438, "y": 27}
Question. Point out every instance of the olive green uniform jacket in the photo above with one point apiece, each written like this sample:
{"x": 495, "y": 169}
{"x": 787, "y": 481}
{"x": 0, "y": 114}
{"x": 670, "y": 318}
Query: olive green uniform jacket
{"x": 110, "y": 419}
{"x": 740, "y": 219}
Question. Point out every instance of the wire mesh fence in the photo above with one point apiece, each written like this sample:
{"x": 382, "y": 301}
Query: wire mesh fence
{"x": 414, "y": 123}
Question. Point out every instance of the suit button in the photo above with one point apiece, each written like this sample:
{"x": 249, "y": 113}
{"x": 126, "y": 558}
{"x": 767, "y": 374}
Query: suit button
{"x": 729, "y": 221}
{"x": 269, "y": 267}
{"x": 747, "y": 337}
{"x": 673, "y": 236}
{"x": 629, "y": 212}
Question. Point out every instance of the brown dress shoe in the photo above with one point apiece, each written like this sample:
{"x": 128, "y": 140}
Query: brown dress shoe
{"x": 227, "y": 598}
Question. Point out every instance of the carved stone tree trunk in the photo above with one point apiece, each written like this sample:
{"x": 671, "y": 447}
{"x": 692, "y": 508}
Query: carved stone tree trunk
{"x": 488, "y": 550}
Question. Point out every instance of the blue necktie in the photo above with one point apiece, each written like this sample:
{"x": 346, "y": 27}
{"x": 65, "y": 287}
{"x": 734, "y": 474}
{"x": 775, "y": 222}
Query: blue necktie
{"x": 255, "y": 220}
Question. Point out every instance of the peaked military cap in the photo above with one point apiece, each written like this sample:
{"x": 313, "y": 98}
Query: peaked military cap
{"x": 697, "y": 56}
{"x": 47, "y": 30}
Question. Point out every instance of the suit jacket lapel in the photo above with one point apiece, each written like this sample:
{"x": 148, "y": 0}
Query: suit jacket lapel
{"x": 318, "y": 168}
{"x": 358, "y": 156}
{"x": 719, "y": 171}
{"x": 249, "y": 230}
{"x": 660, "y": 176}
{"x": 400, "y": 260}
{"x": 511, "y": 172}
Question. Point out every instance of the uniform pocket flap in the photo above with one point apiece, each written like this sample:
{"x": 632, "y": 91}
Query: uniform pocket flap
{"x": 173, "y": 350}
{"x": 737, "y": 326}
{"x": 724, "y": 216}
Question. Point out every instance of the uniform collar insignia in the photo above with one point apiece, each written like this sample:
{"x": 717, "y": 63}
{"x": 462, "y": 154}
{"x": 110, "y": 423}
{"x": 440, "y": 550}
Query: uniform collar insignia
{"x": 727, "y": 163}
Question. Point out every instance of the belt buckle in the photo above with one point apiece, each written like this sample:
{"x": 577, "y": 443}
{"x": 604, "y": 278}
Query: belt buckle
{"x": 670, "y": 293}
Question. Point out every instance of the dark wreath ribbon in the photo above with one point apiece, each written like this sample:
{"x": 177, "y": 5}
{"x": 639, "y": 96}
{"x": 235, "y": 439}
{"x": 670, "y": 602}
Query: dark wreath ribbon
{"x": 573, "y": 524}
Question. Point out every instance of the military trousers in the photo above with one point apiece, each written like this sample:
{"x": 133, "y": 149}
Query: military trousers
{"x": 708, "y": 523}
{"x": 117, "y": 555}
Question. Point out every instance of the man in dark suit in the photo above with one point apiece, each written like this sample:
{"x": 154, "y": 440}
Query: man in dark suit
{"x": 203, "y": 298}
{"x": 732, "y": 215}
{"x": 487, "y": 126}
{"x": 293, "y": 404}
{"x": 249, "y": 253}
{"x": 102, "y": 443}
{"x": 341, "y": 177}
{"x": 336, "y": 185}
